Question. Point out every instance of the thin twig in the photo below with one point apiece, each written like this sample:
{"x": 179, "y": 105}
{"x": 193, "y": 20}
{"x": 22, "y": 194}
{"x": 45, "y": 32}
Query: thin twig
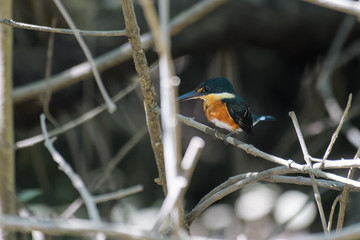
{"x": 229, "y": 187}
{"x": 250, "y": 149}
{"x": 304, "y": 181}
{"x": 85, "y": 33}
{"x": 75, "y": 179}
{"x": 110, "y": 104}
{"x": 345, "y": 195}
{"x": 114, "y": 57}
{"x": 78, "y": 121}
{"x": 123, "y": 151}
{"x": 74, "y": 227}
{"x": 98, "y": 181}
{"x": 306, "y": 154}
{"x": 337, "y": 131}
{"x": 331, "y": 215}
{"x": 48, "y": 92}
{"x": 118, "y": 194}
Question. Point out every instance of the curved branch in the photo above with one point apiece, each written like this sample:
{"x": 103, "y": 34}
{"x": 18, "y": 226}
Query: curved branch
{"x": 85, "y": 33}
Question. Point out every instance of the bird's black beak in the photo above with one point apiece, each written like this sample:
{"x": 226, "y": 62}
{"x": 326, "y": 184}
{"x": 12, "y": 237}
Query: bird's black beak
{"x": 190, "y": 95}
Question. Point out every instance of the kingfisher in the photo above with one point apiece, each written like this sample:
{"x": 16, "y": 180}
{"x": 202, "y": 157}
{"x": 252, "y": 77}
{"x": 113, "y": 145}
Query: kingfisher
{"x": 223, "y": 107}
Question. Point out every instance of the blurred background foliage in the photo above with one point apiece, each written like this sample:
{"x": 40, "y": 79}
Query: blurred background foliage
{"x": 271, "y": 51}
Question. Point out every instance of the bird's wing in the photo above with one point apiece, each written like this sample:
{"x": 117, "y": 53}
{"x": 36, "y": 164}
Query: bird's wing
{"x": 240, "y": 113}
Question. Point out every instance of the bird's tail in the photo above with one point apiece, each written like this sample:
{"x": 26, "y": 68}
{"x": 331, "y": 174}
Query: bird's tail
{"x": 258, "y": 118}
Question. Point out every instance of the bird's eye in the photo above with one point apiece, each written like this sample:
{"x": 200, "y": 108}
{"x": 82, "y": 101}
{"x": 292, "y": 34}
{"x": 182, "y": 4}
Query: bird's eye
{"x": 205, "y": 89}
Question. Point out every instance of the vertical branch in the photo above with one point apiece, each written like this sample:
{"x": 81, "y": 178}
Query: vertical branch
{"x": 7, "y": 171}
{"x": 344, "y": 196}
{"x": 168, "y": 109}
{"x": 148, "y": 91}
{"x": 312, "y": 176}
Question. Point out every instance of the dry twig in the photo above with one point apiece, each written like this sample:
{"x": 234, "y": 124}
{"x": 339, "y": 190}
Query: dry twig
{"x": 85, "y": 33}
{"x": 109, "y": 103}
{"x": 306, "y": 154}
{"x": 78, "y": 121}
{"x": 75, "y": 179}
{"x": 148, "y": 91}
{"x": 74, "y": 227}
{"x": 114, "y": 57}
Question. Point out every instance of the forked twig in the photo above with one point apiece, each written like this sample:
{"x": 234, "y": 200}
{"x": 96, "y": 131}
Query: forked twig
{"x": 308, "y": 163}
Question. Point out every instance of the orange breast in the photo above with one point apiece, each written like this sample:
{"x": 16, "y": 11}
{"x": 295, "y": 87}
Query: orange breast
{"x": 217, "y": 113}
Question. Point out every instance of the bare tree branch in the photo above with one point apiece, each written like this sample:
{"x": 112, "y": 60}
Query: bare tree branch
{"x": 109, "y": 103}
{"x": 147, "y": 88}
{"x": 85, "y": 33}
{"x": 336, "y": 133}
{"x": 75, "y": 179}
{"x": 78, "y": 121}
{"x": 74, "y": 227}
{"x": 306, "y": 154}
{"x": 345, "y": 6}
{"x": 344, "y": 195}
{"x": 114, "y": 57}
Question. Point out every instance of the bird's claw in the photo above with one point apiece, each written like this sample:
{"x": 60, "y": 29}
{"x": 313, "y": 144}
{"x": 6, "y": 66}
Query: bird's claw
{"x": 214, "y": 133}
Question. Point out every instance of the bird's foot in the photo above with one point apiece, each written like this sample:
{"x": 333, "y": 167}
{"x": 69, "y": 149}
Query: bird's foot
{"x": 214, "y": 133}
{"x": 226, "y": 137}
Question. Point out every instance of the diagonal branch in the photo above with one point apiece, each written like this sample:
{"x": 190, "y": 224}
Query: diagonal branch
{"x": 112, "y": 58}
{"x": 109, "y": 103}
{"x": 75, "y": 179}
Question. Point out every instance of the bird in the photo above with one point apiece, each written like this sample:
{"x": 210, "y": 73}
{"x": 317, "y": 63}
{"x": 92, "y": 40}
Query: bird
{"x": 223, "y": 107}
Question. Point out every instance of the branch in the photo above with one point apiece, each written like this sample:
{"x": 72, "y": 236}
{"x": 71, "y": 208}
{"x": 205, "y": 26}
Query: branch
{"x": 344, "y": 195}
{"x": 75, "y": 179}
{"x": 229, "y": 187}
{"x": 114, "y": 57}
{"x": 74, "y": 227}
{"x": 181, "y": 182}
{"x": 317, "y": 194}
{"x": 118, "y": 194}
{"x": 250, "y": 149}
{"x": 147, "y": 88}
{"x": 344, "y": 6}
{"x": 299, "y": 180}
{"x": 85, "y": 33}
{"x": 99, "y": 180}
{"x": 78, "y": 121}
{"x": 336, "y": 133}
{"x": 110, "y": 104}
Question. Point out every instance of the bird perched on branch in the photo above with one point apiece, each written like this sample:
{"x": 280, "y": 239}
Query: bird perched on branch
{"x": 223, "y": 107}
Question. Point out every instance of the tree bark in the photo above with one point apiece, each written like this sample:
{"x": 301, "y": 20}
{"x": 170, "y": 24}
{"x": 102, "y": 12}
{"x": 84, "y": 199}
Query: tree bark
{"x": 7, "y": 170}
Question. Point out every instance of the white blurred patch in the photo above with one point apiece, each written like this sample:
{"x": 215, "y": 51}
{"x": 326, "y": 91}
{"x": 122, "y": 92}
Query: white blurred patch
{"x": 293, "y": 206}
{"x": 127, "y": 213}
{"x": 256, "y": 201}
{"x": 218, "y": 217}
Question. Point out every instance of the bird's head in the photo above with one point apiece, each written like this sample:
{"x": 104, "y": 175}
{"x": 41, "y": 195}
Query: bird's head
{"x": 219, "y": 88}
